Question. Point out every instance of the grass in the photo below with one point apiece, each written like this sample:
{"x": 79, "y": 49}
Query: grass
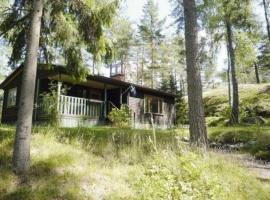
{"x": 255, "y": 139}
{"x": 110, "y": 163}
{"x": 254, "y": 102}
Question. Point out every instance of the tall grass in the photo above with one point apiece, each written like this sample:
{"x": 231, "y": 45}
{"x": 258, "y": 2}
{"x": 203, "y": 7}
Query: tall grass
{"x": 111, "y": 163}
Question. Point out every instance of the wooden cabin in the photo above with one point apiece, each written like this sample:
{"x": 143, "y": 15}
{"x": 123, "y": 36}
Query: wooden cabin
{"x": 88, "y": 102}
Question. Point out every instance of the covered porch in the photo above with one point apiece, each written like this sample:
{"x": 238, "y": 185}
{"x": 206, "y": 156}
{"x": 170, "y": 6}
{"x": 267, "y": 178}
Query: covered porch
{"x": 82, "y": 104}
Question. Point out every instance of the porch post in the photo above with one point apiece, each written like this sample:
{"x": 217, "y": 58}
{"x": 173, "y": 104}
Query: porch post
{"x": 105, "y": 101}
{"x": 36, "y": 99}
{"x": 59, "y": 85}
{"x": 121, "y": 100}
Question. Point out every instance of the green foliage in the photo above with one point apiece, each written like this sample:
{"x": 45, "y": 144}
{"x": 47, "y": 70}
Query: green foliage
{"x": 255, "y": 139}
{"x": 121, "y": 34}
{"x": 150, "y": 30}
{"x": 181, "y": 109}
{"x": 254, "y": 101}
{"x": 217, "y": 15}
{"x": 48, "y": 102}
{"x": 117, "y": 163}
{"x": 193, "y": 176}
{"x": 245, "y": 52}
{"x": 264, "y": 60}
{"x": 67, "y": 28}
{"x": 120, "y": 117}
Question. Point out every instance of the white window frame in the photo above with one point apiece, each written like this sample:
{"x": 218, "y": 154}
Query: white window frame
{"x": 11, "y": 97}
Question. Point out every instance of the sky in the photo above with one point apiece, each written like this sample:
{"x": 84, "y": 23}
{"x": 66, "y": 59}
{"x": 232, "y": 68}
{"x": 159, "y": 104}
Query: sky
{"x": 133, "y": 9}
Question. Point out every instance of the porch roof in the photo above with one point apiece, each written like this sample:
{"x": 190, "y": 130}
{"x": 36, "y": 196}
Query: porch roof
{"x": 61, "y": 70}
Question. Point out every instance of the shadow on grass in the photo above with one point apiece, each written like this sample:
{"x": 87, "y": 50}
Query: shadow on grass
{"x": 45, "y": 181}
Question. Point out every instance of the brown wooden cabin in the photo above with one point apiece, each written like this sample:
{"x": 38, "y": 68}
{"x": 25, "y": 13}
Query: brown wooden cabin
{"x": 88, "y": 102}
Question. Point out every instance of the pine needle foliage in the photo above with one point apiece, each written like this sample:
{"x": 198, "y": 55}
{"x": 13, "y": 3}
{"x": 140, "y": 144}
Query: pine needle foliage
{"x": 68, "y": 26}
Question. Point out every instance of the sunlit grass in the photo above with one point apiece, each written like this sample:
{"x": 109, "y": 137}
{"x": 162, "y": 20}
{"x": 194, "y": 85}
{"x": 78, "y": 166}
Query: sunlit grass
{"x": 110, "y": 163}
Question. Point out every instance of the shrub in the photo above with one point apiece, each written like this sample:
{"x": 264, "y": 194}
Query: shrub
{"x": 120, "y": 117}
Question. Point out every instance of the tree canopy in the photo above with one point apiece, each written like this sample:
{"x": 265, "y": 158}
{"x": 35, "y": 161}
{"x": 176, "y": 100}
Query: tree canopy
{"x": 67, "y": 28}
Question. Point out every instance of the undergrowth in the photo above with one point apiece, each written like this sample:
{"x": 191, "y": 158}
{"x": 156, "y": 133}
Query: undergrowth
{"x": 110, "y": 163}
{"x": 253, "y": 139}
{"x": 253, "y": 107}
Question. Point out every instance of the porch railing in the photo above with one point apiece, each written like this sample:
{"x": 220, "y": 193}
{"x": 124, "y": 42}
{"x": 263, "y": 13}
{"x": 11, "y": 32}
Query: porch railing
{"x": 75, "y": 106}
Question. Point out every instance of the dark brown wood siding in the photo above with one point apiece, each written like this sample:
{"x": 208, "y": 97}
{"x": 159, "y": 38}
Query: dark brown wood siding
{"x": 166, "y": 119}
{"x": 9, "y": 114}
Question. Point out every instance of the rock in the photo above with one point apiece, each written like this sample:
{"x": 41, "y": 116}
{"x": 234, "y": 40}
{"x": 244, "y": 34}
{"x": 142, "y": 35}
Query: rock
{"x": 255, "y": 120}
{"x": 261, "y": 120}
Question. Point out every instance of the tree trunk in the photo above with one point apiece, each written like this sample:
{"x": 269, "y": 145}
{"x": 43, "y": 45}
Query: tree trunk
{"x": 266, "y": 19}
{"x": 21, "y": 154}
{"x": 228, "y": 76}
{"x": 142, "y": 69}
{"x": 198, "y": 132}
{"x": 152, "y": 65}
{"x": 235, "y": 96}
{"x": 257, "y": 73}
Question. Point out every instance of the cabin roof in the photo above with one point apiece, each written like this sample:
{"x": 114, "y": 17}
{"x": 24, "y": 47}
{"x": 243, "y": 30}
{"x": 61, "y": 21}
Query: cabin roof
{"x": 58, "y": 69}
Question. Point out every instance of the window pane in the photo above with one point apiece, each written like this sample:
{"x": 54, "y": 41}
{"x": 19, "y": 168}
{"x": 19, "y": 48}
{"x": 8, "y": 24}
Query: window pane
{"x": 154, "y": 105}
{"x": 11, "y": 100}
{"x": 160, "y": 106}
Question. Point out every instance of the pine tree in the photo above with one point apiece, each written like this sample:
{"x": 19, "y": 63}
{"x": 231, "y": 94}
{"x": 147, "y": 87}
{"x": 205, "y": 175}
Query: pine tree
{"x": 31, "y": 29}
{"x": 266, "y": 8}
{"x": 198, "y": 132}
{"x": 181, "y": 109}
{"x": 225, "y": 17}
{"x": 150, "y": 29}
{"x": 121, "y": 35}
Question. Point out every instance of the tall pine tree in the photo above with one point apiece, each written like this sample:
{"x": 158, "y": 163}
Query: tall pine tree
{"x": 33, "y": 28}
{"x": 150, "y": 29}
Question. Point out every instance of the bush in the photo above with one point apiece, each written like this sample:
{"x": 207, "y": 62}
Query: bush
{"x": 120, "y": 117}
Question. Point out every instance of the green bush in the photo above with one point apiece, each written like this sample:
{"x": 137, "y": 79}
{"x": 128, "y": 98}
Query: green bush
{"x": 120, "y": 117}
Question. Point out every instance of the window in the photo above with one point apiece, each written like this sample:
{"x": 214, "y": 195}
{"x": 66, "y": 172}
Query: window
{"x": 153, "y": 104}
{"x": 11, "y": 99}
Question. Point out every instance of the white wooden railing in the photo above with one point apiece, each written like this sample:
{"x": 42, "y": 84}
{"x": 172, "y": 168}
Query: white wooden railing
{"x": 75, "y": 106}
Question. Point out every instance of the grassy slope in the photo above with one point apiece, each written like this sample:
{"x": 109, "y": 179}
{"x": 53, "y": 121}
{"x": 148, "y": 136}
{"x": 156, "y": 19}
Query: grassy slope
{"x": 256, "y": 138}
{"x": 105, "y": 163}
{"x": 252, "y": 97}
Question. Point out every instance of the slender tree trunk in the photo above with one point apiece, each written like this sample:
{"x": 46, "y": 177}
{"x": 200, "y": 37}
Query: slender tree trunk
{"x": 235, "y": 96}
{"x": 137, "y": 68}
{"x": 228, "y": 76}
{"x": 257, "y": 73}
{"x": 198, "y": 132}
{"x": 142, "y": 71}
{"x": 266, "y": 19}
{"x": 21, "y": 154}
{"x": 93, "y": 63}
{"x": 152, "y": 65}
